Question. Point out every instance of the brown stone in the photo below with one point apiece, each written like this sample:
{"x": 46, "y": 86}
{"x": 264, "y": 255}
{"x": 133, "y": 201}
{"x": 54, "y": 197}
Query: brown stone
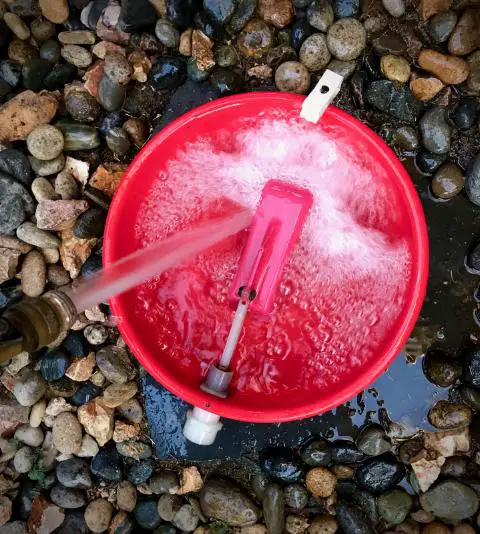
{"x": 116, "y": 394}
{"x": 141, "y": 65}
{"x": 81, "y": 369}
{"x": 92, "y": 78}
{"x": 427, "y": 8}
{"x": 473, "y": 82}
{"x": 202, "y": 50}
{"x": 449, "y": 442}
{"x": 74, "y": 252}
{"x": 13, "y": 243}
{"x": 185, "y": 47}
{"x": 23, "y": 113}
{"x": 449, "y": 415}
{"x": 12, "y": 414}
{"x": 97, "y": 419}
{"x": 59, "y": 214}
{"x": 107, "y": 177}
{"x": 425, "y": 88}
{"x": 277, "y": 12}
{"x": 55, "y": 11}
{"x": 448, "y": 181}
{"x": 436, "y": 528}
{"x": 263, "y": 72}
{"x": 34, "y": 274}
{"x": 466, "y": 35}
{"x": 320, "y": 482}
{"x": 124, "y": 431}
{"x": 8, "y": 263}
{"x": 324, "y": 524}
{"x": 45, "y": 516}
{"x": 255, "y": 39}
{"x": 450, "y": 69}
{"x": 101, "y": 48}
{"x": 190, "y": 480}
{"x": 67, "y": 433}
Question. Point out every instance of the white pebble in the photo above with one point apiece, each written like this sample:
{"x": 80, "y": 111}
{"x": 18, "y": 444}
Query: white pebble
{"x": 96, "y": 334}
{"x": 89, "y": 447}
{"x": 396, "y": 8}
{"x": 23, "y": 460}
{"x": 37, "y": 413}
{"x": 29, "y": 435}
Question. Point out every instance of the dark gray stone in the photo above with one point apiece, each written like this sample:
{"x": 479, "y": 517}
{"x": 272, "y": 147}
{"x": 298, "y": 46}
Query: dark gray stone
{"x": 441, "y": 25}
{"x": 136, "y": 15}
{"x": 472, "y": 180}
{"x": 90, "y": 224}
{"x": 274, "y": 509}
{"x": 373, "y": 441}
{"x": 68, "y": 498}
{"x": 146, "y": 514}
{"x": 168, "y": 73}
{"x": 140, "y": 472}
{"x": 397, "y": 101}
{"x": 16, "y": 204}
{"x": 345, "y": 452}
{"x": 59, "y": 75}
{"x": 317, "y": 453}
{"x": 16, "y": 164}
{"x": 10, "y": 72}
{"x": 110, "y": 94}
{"x": 451, "y": 501}
{"x": 181, "y": 12}
{"x": 107, "y": 464}
{"x": 243, "y": 13}
{"x": 380, "y": 473}
{"x": 34, "y": 73}
{"x": 436, "y": 132}
{"x": 281, "y": 464}
{"x": 219, "y": 11}
{"x": 352, "y": 520}
{"x": 86, "y": 393}
{"x": 74, "y": 523}
{"x": 53, "y": 365}
{"x": 74, "y": 473}
{"x": 78, "y": 136}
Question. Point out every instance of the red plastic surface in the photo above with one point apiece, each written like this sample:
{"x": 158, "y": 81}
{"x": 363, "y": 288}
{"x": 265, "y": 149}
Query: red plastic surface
{"x": 273, "y": 233}
{"x": 120, "y": 240}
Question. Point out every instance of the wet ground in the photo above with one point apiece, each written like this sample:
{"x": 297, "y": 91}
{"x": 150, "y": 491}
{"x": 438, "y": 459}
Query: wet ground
{"x": 403, "y": 394}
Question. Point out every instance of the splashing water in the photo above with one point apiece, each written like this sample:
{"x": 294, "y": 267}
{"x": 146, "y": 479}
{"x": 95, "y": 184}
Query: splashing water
{"x": 342, "y": 289}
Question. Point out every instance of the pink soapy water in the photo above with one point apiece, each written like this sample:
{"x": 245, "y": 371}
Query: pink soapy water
{"x": 343, "y": 287}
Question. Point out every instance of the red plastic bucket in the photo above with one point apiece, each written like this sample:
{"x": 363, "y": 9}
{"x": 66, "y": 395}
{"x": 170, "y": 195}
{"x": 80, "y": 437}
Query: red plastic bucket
{"x": 181, "y": 375}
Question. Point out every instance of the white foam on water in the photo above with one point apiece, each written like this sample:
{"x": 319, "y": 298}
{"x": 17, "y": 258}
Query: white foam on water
{"x": 347, "y": 254}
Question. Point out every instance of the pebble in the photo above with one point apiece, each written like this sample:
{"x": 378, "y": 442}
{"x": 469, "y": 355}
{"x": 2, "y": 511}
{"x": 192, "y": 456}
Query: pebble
{"x": 16, "y": 164}
{"x": 406, "y": 137}
{"x": 81, "y": 105}
{"x": 281, "y": 464}
{"x": 168, "y": 73}
{"x": 79, "y": 136}
{"x": 435, "y": 131}
{"x": 98, "y": 515}
{"x": 16, "y": 24}
{"x": 46, "y": 168}
{"x": 296, "y": 496}
{"x": 464, "y": 113}
{"x": 455, "y": 466}
{"x": 448, "y": 182}
{"x": 345, "y": 452}
{"x": 389, "y": 42}
{"x": 219, "y": 11}
{"x": 396, "y": 8}
{"x": 317, "y": 453}
{"x": 50, "y": 51}
{"x": 314, "y": 52}
{"x": 346, "y": 39}
{"x": 67, "y": 497}
{"x": 55, "y": 11}
{"x": 226, "y": 82}
{"x": 320, "y": 15}
{"x": 115, "y": 364}
{"x": 465, "y": 37}
{"x": 397, "y": 101}
{"x": 323, "y": 524}
{"x": 274, "y": 509}
{"x": 473, "y": 81}
{"x": 320, "y": 482}
{"x": 42, "y": 29}
{"x": 167, "y": 33}
{"x": 186, "y": 519}
{"x": 29, "y": 435}
{"x": 301, "y": 29}
{"x": 394, "y": 506}
{"x": 439, "y": 368}
{"x": 59, "y": 75}
{"x": 351, "y": 519}
{"x": 429, "y": 163}
{"x": 140, "y": 472}
{"x": 76, "y": 55}
{"x": 29, "y": 387}
{"x": 53, "y": 365}
{"x": 346, "y": 8}
{"x": 66, "y": 186}
{"x": 450, "y": 500}
{"x": 118, "y": 141}
{"x": 472, "y": 180}
{"x": 255, "y": 39}
{"x": 110, "y": 94}
{"x": 168, "y": 505}
{"x": 146, "y": 514}
{"x": 117, "y": 68}
{"x": 67, "y": 433}
{"x": 395, "y": 68}
{"x": 77, "y": 37}
{"x": 445, "y": 415}
{"x": 126, "y": 496}
{"x": 425, "y": 88}
{"x": 45, "y": 142}
{"x": 116, "y": 394}
{"x": 74, "y": 523}
{"x": 441, "y": 25}
{"x": 63, "y": 388}
{"x": 380, "y": 473}
{"x": 471, "y": 396}
{"x": 292, "y": 77}
{"x": 224, "y": 501}
{"x": 74, "y": 473}
{"x": 137, "y": 130}
{"x": 450, "y": 69}
{"x": 96, "y": 334}
{"x": 164, "y": 482}
{"x": 34, "y": 73}
{"x": 471, "y": 367}
{"x": 373, "y": 441}
{"x": 344, "y": 68}
{"x": 106, "y": 464}
{"x": 37, "y": 412}
{"x": 90, "y": 224}
{"x": 21, "y": 51}
{"x": 24, "y": 460}
{"x": 134, "y": 449}
{"x": 34, "y": 274}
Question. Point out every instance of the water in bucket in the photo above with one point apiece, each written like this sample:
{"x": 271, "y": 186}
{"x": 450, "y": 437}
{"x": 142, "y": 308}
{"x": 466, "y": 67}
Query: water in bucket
{"x": 342, "y": 289}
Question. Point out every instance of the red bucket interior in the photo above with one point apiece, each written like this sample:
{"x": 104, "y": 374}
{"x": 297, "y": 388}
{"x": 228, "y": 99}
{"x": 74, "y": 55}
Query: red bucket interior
{"x": 349, "y": 296}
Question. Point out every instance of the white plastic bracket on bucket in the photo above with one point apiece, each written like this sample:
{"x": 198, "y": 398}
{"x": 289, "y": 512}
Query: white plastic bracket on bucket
{"x": 201, "y": 426}
{"x": 322, "y": 96}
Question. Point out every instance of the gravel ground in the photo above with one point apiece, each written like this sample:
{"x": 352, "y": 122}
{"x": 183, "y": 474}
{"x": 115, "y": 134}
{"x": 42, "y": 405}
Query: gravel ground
{"x": 82, "y": 87}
